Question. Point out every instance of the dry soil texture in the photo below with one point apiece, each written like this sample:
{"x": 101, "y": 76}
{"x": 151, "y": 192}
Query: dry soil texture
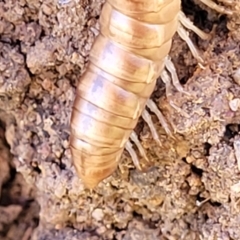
{"x": 192, "y": 191}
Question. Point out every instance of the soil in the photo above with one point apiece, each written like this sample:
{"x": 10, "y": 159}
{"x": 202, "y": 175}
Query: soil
{"x": 192, "y": 190}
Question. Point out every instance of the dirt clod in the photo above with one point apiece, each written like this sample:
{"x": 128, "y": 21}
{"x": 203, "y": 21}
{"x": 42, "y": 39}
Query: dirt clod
{"x": 192, "y": 190}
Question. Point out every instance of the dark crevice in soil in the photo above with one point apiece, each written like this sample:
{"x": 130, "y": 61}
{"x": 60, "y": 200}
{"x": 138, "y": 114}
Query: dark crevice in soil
{"x": 36, "y": 169}
{"x": 199, "y": 198}
{"x": 198, "y": 15}
{"x": 221, "y": 28}
{"x": 196, "y": 170}
{"x": 201, "y": 20}
{"x": 184, "y": 160}
{"x": 137, "y": 215}
{"x": 231, "y": 131}
{"x": 205, "y": 216}
{"x": 139, "y": 127}
{"x": 159, "y": 90}
{"x": 215, "y": 204}
{"x": 3, "y": 128}
{"x": 117, "y": 229}
{"x": 207, "y": 147}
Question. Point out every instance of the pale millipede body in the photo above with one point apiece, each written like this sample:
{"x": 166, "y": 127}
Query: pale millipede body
{"x": 127, "y": 57}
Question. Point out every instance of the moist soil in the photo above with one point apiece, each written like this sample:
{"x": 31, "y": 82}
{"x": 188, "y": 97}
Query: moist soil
{"x": 192, "y": 189}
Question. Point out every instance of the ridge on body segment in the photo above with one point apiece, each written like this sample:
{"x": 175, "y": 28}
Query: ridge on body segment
{"x": 126, "y": 59}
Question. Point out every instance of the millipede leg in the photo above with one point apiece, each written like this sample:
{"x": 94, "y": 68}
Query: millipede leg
{"x": 216, "y": 7}
{"x": 134, "y": 138}
{"x": 185, "y": 36}
{"x": 167, "y": 80}
{"x": 133, "y": 155}
{"x": 132, "y": 152}
{"x": 147, "y": 118}
{"x": 172, "y": 70}
{"x": 187, "y": 23}
{"x": 152, "y": 106}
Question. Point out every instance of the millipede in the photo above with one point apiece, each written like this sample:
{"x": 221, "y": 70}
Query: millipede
{"x": 125, "y": 61}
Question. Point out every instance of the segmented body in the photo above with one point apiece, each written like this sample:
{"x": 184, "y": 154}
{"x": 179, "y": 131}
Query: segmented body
{"x": 124, "y": 63}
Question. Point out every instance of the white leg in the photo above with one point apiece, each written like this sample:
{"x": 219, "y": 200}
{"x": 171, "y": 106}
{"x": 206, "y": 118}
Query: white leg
{"x": 133, "y": 155}
{"x": 217, "y": 7}
{"x": 187, "y": 23}
{"x": 134, "y": 138}
{"x": 171, "y": 68}
{"x": 167, "y": 80}
{"x": 153, "y": 107}
{"x": 185, "y": 36}
{"x": 147, "y": 118}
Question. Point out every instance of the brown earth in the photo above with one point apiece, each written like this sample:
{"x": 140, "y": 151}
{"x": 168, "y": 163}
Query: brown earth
{"x": 191, "y": 192}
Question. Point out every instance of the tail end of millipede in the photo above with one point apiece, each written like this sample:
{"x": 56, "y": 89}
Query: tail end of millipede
{"x": 89, "y": 180}
{"x": 92, "y": 166}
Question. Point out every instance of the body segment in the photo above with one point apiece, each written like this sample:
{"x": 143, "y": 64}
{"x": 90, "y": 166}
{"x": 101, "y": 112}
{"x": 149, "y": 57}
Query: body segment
{"x": 124, "y": 63}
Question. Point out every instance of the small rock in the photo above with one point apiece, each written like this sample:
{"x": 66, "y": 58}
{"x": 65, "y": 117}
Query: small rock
{"x": 234, "y": 104}
{"x": 98, "y": 214}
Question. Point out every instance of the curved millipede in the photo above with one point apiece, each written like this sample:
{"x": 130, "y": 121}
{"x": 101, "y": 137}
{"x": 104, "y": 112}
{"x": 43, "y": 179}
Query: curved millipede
{"x": 126, "y": 59}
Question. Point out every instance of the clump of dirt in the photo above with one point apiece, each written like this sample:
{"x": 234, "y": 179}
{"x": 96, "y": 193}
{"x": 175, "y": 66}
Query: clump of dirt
{"x": 192, "y": 190}
{"x": 18, "y": 209}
